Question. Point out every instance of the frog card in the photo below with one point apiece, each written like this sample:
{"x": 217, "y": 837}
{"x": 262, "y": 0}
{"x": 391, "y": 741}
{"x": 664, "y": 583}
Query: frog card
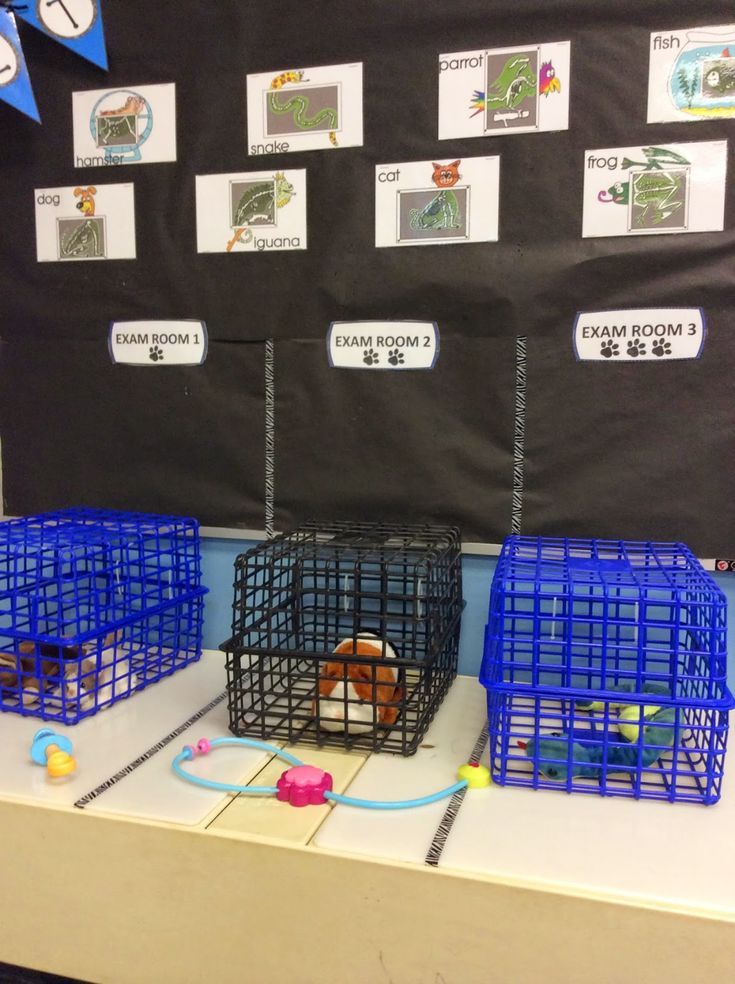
{"x": 135, "y": 125}
{"x": 297, "y": 108}
{"x": 500, "y": 91}
{"x": 691, "y": 74}
{"x": 633, "y": 191}
{"x": 254, "y": 211}
{"x": 421, "y": 203}
{"x": 96, "y": 222}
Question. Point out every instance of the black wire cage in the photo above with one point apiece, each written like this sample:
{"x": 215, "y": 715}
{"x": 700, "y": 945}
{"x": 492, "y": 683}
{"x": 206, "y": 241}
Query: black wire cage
{"x": 345, "y": 634}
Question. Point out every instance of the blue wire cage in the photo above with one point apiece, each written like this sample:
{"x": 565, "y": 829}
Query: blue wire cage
{"x": 605, "y": 668}
{"x": 94, "y": 605}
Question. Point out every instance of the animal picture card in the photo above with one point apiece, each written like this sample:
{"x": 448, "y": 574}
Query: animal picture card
{"x": 92, "y": 223}
{"x": 691, "y": 74}
{"x": 423, "y": 203}
{"x": 633, "y": 191}
{"x": 305, "y": 109}
{"x": 256, "y": 211}
{"x": 124, "y": 126}
{"x": 504, "y": 90}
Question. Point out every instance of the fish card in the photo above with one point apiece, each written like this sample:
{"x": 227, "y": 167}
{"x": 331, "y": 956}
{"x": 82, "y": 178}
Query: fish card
{"x": 124, "y": 126}
{"x": 691, "y": 74}
{"x": 254, "y": 211}
{"x": 305, "y": 109}
{"x": 92, "y": 223}
{"x": 422, "y": 203}
{"x": 498, "y": 91}
{"x": 638, "y": 191}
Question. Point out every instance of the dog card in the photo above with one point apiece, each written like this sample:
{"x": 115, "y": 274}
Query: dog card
{"x": 85, "y": 223}
{"x": 255, "y": 211}
{"x": 124, "y": 126}
{"x": 305, "y": 109}
{"x": 504, "y": 90}
{"x": 423, "y": 203}
{"x": 633, "y": 191}
{"x": 691, "y": 74}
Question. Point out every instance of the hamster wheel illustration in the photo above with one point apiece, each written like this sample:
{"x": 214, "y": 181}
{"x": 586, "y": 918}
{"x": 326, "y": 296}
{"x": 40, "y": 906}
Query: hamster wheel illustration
{"x": 120, "y": 122}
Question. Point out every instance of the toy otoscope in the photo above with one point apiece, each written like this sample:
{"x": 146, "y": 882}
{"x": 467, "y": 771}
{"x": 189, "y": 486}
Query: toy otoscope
{"x": 306, "y": 785}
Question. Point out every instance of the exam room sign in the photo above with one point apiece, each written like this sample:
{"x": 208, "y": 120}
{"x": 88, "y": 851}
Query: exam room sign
{"x": 639, "y": 334}
{"x": 383, "y": 344}
{"x": 158, "y": 343}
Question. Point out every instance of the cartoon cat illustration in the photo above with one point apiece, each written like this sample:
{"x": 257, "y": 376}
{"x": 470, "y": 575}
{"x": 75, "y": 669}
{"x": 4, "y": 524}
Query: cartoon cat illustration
{"x": 446, "y": 175}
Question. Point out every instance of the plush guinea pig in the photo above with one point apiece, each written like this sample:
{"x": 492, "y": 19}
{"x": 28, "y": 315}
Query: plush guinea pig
{"x": 372, "y": 692}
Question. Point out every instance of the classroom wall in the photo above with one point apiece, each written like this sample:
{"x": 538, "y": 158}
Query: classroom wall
{"x": 218, "y": 558}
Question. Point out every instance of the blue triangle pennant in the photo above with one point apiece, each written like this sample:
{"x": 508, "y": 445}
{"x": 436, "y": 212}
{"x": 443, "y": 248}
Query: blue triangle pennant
{"x": 15, "y": 85}
{"x": 77, "y": 24}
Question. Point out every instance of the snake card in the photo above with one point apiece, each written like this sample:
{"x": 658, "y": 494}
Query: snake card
{"x": 493, "y": 92}
{"x": 135, "y": 125}
{"x": 437, "y": 202}
{"x": 254, "y": 211}
{"x": 297, "y": 108}
{"x": 667, "y": 188}
{"x": 691, "y": 74}
{"x": 96, "y": 222}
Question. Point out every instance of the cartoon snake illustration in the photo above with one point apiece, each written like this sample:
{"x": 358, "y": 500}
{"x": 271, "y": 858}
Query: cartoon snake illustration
{"x": 299, "y": 104}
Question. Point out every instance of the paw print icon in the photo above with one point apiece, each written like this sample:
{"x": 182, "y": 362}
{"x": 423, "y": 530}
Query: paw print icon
{"x": 395, "y": 357}
{"x": 155, "y": 354}
{"x": 370, "y": 357}
{"x": 660, "y": 348}
{"x": 609, "y": 349}
{"x": 635, "y": 349}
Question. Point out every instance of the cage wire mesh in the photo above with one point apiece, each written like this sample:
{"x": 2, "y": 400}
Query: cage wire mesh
{"x": 605, "y": 667}
{"x": 94, "y": 605}
{"x": 345, "y": 634}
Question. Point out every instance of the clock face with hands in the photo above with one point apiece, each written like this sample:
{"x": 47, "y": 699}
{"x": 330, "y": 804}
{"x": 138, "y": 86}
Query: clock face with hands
{"x": 9, "y": 61}
{"x": 67, "y": 18}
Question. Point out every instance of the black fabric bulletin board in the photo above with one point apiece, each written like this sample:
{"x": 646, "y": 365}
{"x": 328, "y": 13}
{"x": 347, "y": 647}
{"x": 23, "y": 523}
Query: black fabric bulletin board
{"x": 638, "y": 451}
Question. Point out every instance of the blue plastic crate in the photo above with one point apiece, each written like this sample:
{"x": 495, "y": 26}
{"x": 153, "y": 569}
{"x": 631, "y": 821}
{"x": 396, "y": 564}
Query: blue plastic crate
{"x": 94, "y": 606}
{"x": 605, "y": 664}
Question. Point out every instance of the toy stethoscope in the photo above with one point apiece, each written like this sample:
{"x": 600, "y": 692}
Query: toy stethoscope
{"x": 306, "y": 785}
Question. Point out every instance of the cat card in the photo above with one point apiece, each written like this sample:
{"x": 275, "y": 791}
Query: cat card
{"x": 423, "y": 203}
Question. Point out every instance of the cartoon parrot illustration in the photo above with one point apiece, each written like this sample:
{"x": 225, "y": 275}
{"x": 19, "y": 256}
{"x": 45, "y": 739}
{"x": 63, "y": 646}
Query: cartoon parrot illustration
{"x": 547, "y": 81}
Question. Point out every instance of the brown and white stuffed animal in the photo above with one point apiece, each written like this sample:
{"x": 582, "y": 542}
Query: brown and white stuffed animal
{"x": 357, "y": 697}
{"x": 87, "y": 677}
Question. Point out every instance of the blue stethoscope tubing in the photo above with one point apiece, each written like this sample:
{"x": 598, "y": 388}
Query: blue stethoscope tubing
{"x": 186, "y": 756}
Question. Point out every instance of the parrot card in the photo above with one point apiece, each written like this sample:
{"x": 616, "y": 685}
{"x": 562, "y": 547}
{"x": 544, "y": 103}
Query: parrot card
{"x": 96, "y": 222}
{"x": 634, "y": 191}
{"x": 691, "y": 74}
{"x": 299, "y": 108}
{"x": 135, "y": 125}
{"x": 422, "y": 203}
{"x": 497, "y": 91}
{"x": 254, "y": 211}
